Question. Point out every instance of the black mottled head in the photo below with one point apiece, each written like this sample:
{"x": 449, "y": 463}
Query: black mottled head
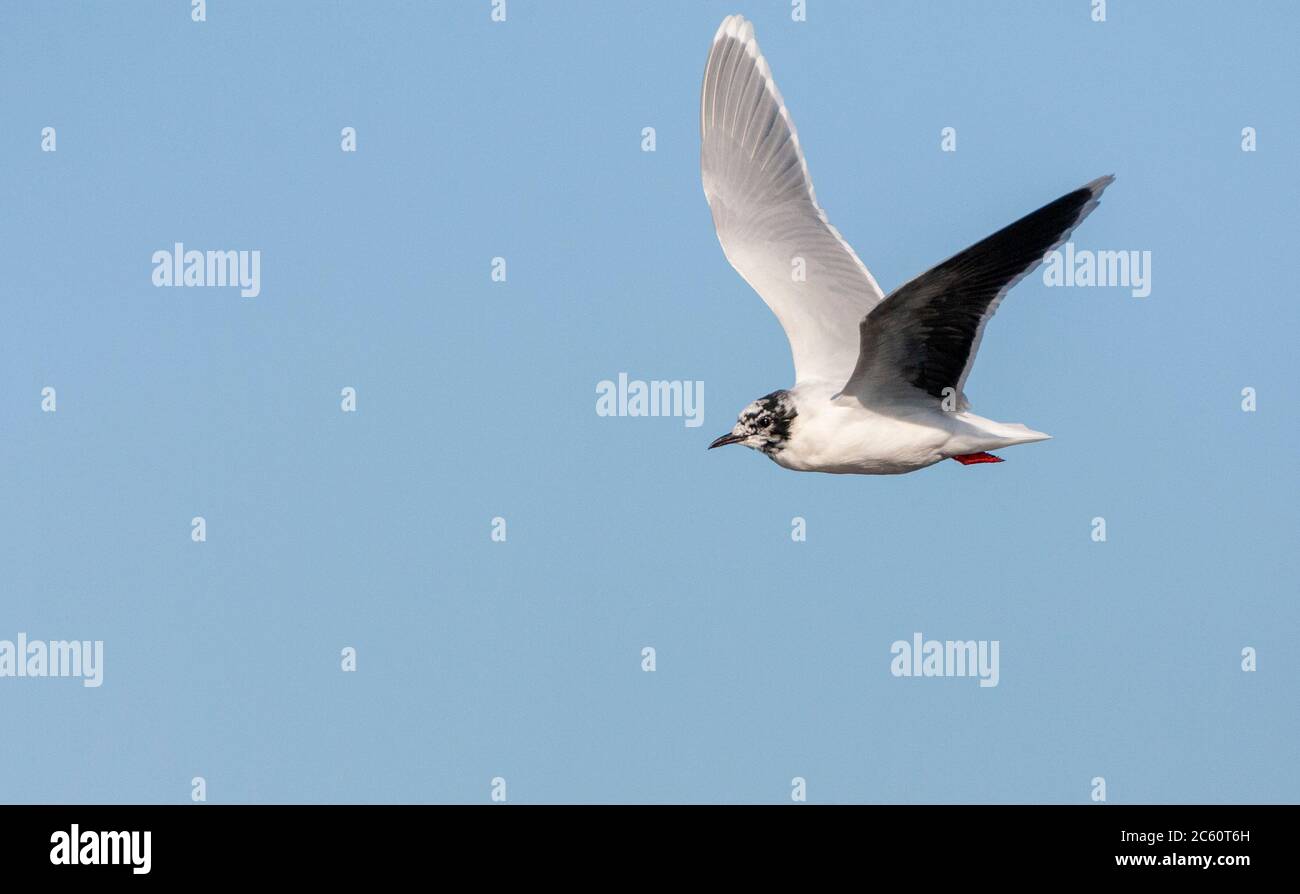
{"x": 763, "y": 425}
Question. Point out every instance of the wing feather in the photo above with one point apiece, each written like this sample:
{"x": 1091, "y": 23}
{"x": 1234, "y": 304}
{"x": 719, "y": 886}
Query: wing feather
{"x": 923, "y": 338}
{"x": 766, "y": 212}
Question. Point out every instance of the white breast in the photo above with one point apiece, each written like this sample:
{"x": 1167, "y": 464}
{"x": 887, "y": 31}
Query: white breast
{"x": 842, "y": 436}
{"x": 846, "y": 438}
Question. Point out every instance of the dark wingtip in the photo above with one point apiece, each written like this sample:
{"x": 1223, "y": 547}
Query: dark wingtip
{"x": 1098, "y": 186}
{"x": 1089, "y": 195}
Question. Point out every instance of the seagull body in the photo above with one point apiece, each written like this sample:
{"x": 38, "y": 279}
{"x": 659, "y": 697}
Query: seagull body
{"x": 878, "y": 380}
{"x": 844, "y": 436}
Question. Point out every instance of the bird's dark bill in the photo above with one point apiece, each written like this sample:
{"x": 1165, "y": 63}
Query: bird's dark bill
{"x": 728, "y": 438}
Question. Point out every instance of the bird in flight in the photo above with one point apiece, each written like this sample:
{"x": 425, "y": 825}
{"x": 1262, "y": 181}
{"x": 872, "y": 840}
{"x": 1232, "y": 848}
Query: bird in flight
{"x": 878, "y": 380}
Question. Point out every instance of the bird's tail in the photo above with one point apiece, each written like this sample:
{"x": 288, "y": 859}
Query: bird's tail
{"x": 992, "y": 435}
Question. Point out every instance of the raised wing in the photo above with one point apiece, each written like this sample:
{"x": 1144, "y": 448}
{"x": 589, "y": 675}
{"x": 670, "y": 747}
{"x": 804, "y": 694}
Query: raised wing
{"x": 922, "y": 339}
{"x": 766, "y": 214}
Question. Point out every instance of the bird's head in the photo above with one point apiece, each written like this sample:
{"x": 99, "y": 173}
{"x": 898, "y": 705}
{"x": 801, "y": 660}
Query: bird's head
{"x": 763, "y": 425}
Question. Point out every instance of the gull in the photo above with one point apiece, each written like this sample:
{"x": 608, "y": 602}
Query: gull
{"x": 878, "y": 380}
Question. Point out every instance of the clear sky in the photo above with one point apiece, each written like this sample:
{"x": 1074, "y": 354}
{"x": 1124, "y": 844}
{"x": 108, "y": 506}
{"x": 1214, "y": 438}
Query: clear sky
{"x": 476, "y": 399}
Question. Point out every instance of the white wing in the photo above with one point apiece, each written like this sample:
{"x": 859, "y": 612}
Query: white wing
{"x": 767, "y": 216}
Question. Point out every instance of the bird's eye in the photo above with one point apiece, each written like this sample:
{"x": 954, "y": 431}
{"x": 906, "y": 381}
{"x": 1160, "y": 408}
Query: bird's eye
{"x": 765, "y": 420}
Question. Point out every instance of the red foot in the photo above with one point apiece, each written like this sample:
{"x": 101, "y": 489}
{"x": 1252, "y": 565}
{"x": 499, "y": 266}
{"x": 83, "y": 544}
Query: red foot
{"x": 969, "y": 459}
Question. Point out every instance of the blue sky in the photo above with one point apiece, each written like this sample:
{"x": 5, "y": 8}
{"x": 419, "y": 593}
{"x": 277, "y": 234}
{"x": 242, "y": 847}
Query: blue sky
{"x": 475, "y": 399}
